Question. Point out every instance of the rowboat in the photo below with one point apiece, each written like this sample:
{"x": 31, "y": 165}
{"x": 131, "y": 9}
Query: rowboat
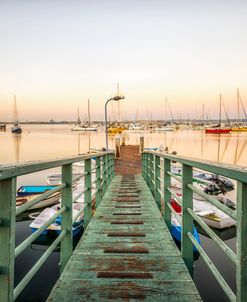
{"x": 55, "y": 228}
{"x": 49, "y": 201}
{"x": 176, "y": 231}
{"x": 210, "y": 214}
{"x": 32, "y": 190}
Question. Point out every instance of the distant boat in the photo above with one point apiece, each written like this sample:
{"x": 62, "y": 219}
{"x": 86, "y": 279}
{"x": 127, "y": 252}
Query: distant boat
{"x": 87, "y": 126}
{"x": 164, "y": 128}
{"x": 16, "y": 128}
{"x": 218, "y": 129}
{"x": 3, "y": 127}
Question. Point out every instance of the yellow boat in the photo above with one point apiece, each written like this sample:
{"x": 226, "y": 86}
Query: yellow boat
{"x": 239, "y": 129}
{"x": 115, "y": 130}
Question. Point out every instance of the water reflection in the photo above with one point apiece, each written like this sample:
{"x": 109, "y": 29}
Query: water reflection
{"x": 17, "y": 146}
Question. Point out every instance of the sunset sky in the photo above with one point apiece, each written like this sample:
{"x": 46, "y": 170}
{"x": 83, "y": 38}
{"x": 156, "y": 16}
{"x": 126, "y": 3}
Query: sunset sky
{"x": 56, "y": 54}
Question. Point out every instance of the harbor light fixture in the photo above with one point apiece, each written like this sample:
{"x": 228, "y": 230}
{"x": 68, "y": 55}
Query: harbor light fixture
{"x": 115, "y": 98}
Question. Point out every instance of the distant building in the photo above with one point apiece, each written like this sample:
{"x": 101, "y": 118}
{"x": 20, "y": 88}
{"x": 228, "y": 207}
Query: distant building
{"x": 52, "y": 121}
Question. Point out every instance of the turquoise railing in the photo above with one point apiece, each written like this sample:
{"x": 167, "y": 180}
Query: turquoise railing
{"x": 104, "y": 170}
{"x": 156, "y": 170}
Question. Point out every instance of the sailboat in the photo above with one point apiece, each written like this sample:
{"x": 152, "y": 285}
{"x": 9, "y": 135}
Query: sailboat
{"x": 16, "y": 128}
{"x": 87, "y": 126}
{"x": 239, "y": 127}
{"x": 166, "y": 127}
{"x": 218, "y": 129}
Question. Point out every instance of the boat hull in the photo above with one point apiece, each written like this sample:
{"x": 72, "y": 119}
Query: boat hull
{"x": 217, "y": 131}
{"x": 31, "y": 190}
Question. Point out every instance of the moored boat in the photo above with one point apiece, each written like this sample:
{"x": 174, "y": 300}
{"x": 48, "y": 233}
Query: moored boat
{"x": 55, "y": 228}
{"x": 210, "y": 214}
{"x": 47, "y": 202}
{"x": 31, "y": 190}
{"x": 176, "y": 231}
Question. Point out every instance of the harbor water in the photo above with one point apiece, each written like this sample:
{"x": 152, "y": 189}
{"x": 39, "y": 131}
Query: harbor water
{"x": 47, "y": 142}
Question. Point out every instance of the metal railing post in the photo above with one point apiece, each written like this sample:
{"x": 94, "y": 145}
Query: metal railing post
{"x": 151, "y": 169}
{"x": 98, "y": 182}
{"x": 7, "y": 238}
{"x": 187, "y": 220}
{"x": 241, "y": 268}
{"x": 103, "y": 189}
{"x": 67, "y": 216}
{"x": 157, "y": 181}
{"x": 107, "y": 171}
{"x": 113, "y": 167}
{"x": 167, "y": 194}
{"x": 88, "y": 210}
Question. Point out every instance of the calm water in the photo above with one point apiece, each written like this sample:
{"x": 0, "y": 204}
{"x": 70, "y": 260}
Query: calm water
{"x": 50, "y": 142}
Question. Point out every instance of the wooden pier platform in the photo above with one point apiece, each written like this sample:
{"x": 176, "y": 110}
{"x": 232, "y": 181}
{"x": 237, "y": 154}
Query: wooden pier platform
{"x": 129, "y": 162}
{"x": 126, "y": 253}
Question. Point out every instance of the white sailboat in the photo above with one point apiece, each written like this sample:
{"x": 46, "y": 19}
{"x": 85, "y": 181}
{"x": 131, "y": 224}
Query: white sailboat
{"x": 16, "y": 128}
{"x": 87, "y": 126}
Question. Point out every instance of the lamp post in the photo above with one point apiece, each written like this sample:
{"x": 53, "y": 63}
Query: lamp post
{"x": 115, "y": 98}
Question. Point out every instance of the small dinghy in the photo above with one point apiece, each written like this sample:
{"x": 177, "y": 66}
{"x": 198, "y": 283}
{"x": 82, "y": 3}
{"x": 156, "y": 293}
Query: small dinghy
{"x": 55, "y": 228}
{"x": 32, "y": 190}
{"x": 176, "y": 231}
{"x": 49, "y": 201}
{"x": 210, "y": 214}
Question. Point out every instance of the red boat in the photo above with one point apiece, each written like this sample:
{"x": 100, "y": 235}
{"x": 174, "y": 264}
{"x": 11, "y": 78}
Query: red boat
{"x": 217, "y": 130}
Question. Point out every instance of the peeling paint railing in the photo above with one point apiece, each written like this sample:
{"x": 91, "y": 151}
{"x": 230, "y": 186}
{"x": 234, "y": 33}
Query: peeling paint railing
{"x": 104, "y": 170}
{"x": 156, "y": 170}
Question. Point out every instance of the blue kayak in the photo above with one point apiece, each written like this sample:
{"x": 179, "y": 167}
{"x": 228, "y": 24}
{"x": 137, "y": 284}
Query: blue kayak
{"x": 31, "y": 190}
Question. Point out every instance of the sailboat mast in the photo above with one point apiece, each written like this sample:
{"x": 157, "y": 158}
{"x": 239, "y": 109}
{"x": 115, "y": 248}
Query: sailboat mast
{"x": 78, "y": 116}
{"x": 203, "y": 114}
{"x": 15, "y": 110}
{"x": 88, "y": 112}
{"x": 238, "y": 106}
{"x": 220, "y": 112}
{"x": 166, "y": 109}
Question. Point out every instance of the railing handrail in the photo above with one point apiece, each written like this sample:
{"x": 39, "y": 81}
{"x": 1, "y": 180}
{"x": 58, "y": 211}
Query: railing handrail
{"x": 104, "y": 170}
{"x": 227, "y": 170}
{"x": 14, "y": 170}
{"x": 151, "y": 171}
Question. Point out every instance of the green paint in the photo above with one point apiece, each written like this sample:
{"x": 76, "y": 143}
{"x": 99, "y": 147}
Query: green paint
{"x": 186, "y": 244}
{"x": 167, "y": 194}
{"x": 98, "y": 182}
{"x": 7, "y": 238}
{"x": 67, "y": 216}
{"x": 157, "y": 181}
{"x": 241, "y": 242}
{"x": 88, "y": 210}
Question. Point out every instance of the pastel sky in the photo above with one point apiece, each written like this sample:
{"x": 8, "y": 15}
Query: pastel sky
{"x": 55, "y": 54}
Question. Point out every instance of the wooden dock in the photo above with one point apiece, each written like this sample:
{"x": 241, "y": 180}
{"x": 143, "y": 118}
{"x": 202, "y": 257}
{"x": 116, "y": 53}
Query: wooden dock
{"x": 129, "y": 162}
{"x": 126, "y": 252}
